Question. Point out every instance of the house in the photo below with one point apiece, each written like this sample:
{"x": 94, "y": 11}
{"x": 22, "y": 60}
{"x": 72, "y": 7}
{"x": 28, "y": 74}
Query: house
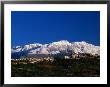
{"x": 66, "y": 57}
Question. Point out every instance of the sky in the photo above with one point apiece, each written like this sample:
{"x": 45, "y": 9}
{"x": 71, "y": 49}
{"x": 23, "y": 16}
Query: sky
{"x": 49, "y": 26}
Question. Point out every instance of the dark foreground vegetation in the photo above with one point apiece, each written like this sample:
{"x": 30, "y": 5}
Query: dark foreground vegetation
{"x": 85, "y": 67}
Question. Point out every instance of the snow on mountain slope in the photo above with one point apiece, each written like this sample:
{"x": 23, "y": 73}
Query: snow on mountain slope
{"x": 57, "y": 47}
{"x": 83, "y": 47}
{"x": 16, "y": 49}
{"x": 25, "y": 47}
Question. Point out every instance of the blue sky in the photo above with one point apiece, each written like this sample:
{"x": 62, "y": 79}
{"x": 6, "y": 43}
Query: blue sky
{"x": 46, "y": 27}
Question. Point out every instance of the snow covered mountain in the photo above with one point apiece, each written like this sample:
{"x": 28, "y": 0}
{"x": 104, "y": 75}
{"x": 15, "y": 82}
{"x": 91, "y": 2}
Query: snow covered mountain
{"x": 62, "y": 46}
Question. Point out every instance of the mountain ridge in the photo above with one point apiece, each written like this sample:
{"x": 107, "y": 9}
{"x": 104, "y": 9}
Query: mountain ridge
{"x": 62, "y": 46}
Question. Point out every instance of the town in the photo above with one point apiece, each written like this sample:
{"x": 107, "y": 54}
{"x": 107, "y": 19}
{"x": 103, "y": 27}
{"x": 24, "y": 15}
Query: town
{"x": 50, "y": 58}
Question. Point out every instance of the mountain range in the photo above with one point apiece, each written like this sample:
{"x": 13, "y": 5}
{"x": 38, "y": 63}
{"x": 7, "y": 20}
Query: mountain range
{"x": 53, "y": 48}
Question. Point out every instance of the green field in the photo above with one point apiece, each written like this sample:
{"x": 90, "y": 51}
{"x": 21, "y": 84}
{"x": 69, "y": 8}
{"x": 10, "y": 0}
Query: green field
{"x": 85, "y": 67}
